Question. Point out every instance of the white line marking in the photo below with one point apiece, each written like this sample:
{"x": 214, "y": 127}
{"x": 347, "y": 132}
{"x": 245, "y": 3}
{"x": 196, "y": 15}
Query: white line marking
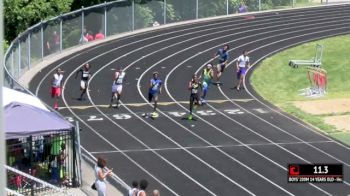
{"x": 206, "y": 147}
{"x": 115, "y": 147}
{"x": 187, "y": 49}
{"x": 269, "y": 18}
{"x": 168, "y": 91}
{"x": 200, "y": 117}
{"x": 94, "y": 48}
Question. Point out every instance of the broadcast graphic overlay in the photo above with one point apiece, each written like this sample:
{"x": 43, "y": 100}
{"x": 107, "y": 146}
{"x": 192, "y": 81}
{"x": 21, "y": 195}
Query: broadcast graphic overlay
{"x": 330, "y": 173}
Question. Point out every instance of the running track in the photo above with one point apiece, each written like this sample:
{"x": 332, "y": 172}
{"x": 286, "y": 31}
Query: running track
{"x": 239, "y": 145}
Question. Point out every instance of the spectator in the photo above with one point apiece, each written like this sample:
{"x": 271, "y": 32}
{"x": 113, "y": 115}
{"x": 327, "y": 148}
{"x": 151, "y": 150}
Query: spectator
{"x": 89, "y": 37}
{"x": 54, "y": 170}
{"x": 155, "y": 193}
{"x": 100, "y": 35}
{"x": 135, "y": 188}
{"x": 100, "y": 182}
{"x": 242, "y": 8}
{"x": 62, "y": 157}
{"x": 156, "y": 24}
{"x": 39, "y": 145}
{"x": 83, "y": 38}
{"x": 143, "y": 186}
{"x": 53, "y": 44}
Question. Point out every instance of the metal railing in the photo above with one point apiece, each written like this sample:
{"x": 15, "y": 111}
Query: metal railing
{"x": 97, "y": 22}
{"x": 20, "y": 183}
{"x": 52, "y": 158}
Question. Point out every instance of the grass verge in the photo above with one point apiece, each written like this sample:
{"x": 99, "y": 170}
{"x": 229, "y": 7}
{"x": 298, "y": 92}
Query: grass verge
{"x": 278, "y": 83}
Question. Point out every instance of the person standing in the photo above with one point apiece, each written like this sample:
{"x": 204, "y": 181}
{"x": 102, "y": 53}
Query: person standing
{"x": 155, "y": 88}
{"x": 242, "y": 8}
{"x": 85, "y": 76}
{"x": 117, "y": 86}
{"x": 135, "y": 188}
{"x": 194, "y": 87}
{"x": 241, "y": 64}
{"x": 223, "y": 58}
{"x": 207, "y": 75}
{"x": 143, "y": 186}
{"x": 56, "y": 84}
{"x": 99, "y": 35}
{"x": 100, "y": 182}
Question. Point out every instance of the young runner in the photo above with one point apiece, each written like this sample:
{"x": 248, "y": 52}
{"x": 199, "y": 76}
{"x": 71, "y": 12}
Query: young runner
{"x": 223, "y": 58}
{"x": 241, "y": 64}
{"x": 194, "y": 86}
{"x": 155, "y": 88}
{"x": 85, "y": 76}
{"x": 207, "y": 75}
{"x": 117, "y": 86}
{"x": 56, "y": 84}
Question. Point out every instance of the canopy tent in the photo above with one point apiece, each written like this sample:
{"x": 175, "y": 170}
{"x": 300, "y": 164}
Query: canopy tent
{"x": 23, "y": 120}
{"x": 10, "y": 96}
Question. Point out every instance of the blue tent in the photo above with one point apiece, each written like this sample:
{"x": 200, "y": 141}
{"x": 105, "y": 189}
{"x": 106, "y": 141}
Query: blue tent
{"x": 23, "y": 120}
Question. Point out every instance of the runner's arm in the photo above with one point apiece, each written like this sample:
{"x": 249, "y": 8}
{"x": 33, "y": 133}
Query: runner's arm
{"x": 77, "y": 73}
{"x": 190, "y": 85}
{"x": 160, "y": 89}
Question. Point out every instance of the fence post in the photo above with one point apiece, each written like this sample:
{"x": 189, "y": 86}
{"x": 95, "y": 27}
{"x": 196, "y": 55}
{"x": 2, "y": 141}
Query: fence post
{"x": 164, "y": 4}
{"x": 19, "y": 59}
{"x": 196, "y": 9}
{"x": 29, "y": 51}
{"x": 105, "y": 21}
{"x": 133, "y": 14}
{"x": 77, "y": 129}
{"x": 42, "y": 40}
{"x": 12, "y": 61}
{"x": 61, "y": 32}
{"x": 32, "y": 187}
{"x": 259, "y": 5}
{"x": 226, "y": 7}
{"x": 82, "y": 24}
{"x": 74, "y": 180}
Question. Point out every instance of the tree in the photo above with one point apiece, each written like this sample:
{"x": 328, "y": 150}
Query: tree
{"x": 21, "y": 14}
{"x": 77, "y": 4}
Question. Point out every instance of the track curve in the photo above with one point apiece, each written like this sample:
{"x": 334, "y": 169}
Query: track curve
{"x": 240, "y": 145}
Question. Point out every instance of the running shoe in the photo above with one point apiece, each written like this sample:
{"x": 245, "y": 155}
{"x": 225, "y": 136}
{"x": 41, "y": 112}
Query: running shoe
{"x": 190, "y": 117}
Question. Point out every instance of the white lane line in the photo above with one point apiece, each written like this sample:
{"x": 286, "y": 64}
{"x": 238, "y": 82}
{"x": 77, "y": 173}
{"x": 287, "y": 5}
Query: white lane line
{"x": 73, "y": 57}
{"x": 115, "y": 60}
{"x": 150, "y": 149}
{"x": 206, "y": 147}
{"x": 115, "y": 147}
{"x": 148, "y": 38}
{"x": 172, "y": 32}
{"x": 158, "y": 63}
{"x": 166, "y": 83}
{"x": 193, "y": 57}
{"x": 134, "y": 62}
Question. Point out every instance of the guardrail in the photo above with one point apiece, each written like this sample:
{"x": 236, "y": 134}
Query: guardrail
{"x": 20, "y": 183}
